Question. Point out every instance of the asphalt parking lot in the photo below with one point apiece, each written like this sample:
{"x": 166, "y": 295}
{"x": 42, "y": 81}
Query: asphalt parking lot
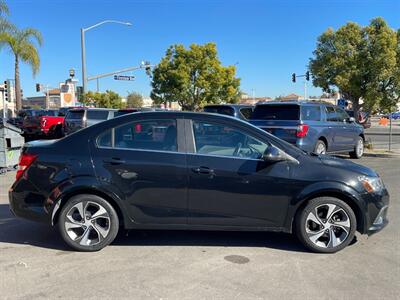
{"x": 35, "y": 263}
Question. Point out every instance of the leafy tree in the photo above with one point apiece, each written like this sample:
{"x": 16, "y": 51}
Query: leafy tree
{"x": 359, "y": 61}
{"x": 22, "y": 45}
{"x": 134, "y": 100}
{"x": 194, "y": 77}
{"x": 109, "y": 99}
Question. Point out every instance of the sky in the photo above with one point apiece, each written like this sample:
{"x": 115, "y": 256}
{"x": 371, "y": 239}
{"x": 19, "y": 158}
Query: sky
{"x": 266, "y": 40}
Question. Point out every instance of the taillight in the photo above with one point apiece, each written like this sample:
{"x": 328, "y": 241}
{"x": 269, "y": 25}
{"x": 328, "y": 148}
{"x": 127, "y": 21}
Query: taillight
{"x": 25, "y": 161}
{"x": 302, "y": 130}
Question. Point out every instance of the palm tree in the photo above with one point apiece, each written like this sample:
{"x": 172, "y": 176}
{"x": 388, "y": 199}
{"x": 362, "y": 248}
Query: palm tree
{"x": 22, "y": 45}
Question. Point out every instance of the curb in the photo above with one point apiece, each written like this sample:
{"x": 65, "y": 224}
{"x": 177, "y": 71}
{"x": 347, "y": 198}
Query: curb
{"x": 382, "y": 154}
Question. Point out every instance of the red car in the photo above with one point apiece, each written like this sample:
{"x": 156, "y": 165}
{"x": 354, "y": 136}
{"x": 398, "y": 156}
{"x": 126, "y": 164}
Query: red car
{"x": 42, "y": 123}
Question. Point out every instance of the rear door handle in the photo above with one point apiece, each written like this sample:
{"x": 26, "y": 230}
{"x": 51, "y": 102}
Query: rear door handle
{"x": 203, "y": 170}
{"x": 114, "y": 161}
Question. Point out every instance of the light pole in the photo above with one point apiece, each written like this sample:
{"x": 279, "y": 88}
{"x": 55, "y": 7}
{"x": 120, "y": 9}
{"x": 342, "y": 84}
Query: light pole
{"x": 83, "y": 30}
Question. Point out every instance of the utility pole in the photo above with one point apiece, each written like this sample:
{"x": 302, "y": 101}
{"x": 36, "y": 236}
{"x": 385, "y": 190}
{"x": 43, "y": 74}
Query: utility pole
{"x": 47, "y": 97}
{"x": 84, "y": 82}
{"x": 305, "y": 90}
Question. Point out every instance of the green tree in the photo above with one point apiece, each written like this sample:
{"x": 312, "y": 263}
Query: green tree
{"x": 134, "y": 100}
{"x": 194, "y": 77}
{"x": 359, "y": 61}
{"x": 109, "y": 99}
{"x": 22, "y": 45}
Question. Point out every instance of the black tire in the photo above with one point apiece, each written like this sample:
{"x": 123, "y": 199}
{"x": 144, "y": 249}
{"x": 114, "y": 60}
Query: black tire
{"x": 358, "y": 153}
{"x": 302, "y": 224}
{"x": 318, "y": 146}
{"x": 91, "y": 202}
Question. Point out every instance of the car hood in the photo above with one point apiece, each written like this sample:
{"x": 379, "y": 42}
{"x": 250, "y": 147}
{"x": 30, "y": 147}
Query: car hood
{"x": 346, "y": 164}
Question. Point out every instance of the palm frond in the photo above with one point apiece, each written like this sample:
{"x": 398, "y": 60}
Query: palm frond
{"x": 4, "y": 8}
{"x": 30, "y": 55}
{"x": 28, "y": 33}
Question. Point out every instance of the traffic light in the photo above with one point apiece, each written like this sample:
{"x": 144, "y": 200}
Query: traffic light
{"x": 38, "y": 87}
{"x": 79, "y": 93}
{"x": 148, "y": 68}
{"x": 5, "y": 90}
{"x": 294, "y": 77}
{"x": 308, "y": 76}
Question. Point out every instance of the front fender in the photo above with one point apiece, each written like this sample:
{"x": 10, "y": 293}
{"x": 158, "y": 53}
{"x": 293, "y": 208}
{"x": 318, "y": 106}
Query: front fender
{"x": 325, "y": 188}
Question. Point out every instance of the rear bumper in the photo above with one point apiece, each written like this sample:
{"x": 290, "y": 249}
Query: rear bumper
{"x": 28, "y": 205}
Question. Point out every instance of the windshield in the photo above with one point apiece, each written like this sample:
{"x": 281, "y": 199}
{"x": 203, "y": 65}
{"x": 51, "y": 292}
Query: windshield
{"x": 75, "y": 114}
{"x": 276, "y": 112}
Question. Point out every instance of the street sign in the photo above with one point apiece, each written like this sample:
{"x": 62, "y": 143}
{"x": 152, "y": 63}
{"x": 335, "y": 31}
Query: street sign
{"x": 342, "y": 103}
{"x": 124, "y": 77}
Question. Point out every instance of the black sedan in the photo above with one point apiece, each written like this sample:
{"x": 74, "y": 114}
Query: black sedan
{"x": 197, "y": 171}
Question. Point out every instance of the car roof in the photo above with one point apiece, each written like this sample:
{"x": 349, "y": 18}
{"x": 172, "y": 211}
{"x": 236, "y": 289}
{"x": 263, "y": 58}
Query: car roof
{"x": 229, "y": 105}
{"x": 295, "y": 102}
{"x": 92, "y": 108}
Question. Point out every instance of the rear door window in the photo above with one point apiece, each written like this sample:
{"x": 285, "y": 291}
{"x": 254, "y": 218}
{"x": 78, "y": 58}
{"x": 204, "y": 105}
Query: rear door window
{"x": 311, "y": 113}
{"x": 276, "y": 112}
{"x": 158, "y": 135}
{"x": 97, "y": 114}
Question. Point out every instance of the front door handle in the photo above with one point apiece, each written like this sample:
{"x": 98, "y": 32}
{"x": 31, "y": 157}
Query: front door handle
{"x": 114, "y": 161}
{"x": 203, "y": 170}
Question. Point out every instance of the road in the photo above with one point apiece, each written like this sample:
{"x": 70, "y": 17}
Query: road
{"x": 379, "y": 136}
{"x": 35, "y": 263}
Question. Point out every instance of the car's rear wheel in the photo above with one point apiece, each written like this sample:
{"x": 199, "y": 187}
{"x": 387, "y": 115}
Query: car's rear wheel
{"x": 320, "y": 147}
{"x": 326, "y": 225}
{"x": 88, "y": 223}
{"x": 358, "y": 149}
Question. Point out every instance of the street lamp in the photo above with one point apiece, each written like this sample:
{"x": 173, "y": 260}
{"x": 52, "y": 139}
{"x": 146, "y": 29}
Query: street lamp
{"x": 83, "y": 30}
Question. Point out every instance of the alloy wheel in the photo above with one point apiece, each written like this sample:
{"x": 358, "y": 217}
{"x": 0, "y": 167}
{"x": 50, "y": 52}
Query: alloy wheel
{"x": 87, "y": 223}
{"x": 360, "y": 148}
{"x": 327, "y": 226}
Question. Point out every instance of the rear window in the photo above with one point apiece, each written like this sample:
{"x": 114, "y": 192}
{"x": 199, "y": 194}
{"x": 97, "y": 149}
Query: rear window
{"x": 311, "y": 113}
{"x": 246, "y": 112}
{"x": 75, "y": 114}
{"x": 276, "y": 112}
{"x": 97, "y": 114}
{"x": 223, "y": 110}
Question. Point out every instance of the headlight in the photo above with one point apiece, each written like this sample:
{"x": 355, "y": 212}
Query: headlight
{"x": 371, "y": 184}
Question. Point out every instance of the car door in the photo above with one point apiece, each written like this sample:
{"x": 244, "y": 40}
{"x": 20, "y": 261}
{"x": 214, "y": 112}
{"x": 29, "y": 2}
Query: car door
{"x": 142, "y": 161}
{"x": 229, "y": 183}
{"x": 347, "y": 131}
{"x": 334, "y": 129}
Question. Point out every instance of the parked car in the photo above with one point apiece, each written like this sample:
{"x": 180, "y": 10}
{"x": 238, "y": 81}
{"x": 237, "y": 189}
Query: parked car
{"x": 394, "y": 115}
{"x": 364, "y": 118}
{"x": 78, "y": 118}
{"x": 240, "y": 111}
{"x": 312, "y": 126}
{"x": 177, "y": 170}
{"x": 33, "y": 124}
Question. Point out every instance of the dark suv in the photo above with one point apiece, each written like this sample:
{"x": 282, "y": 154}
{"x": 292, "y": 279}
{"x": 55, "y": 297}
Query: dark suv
{"x": 239, "y": 111}
{"x": 311, "y": 126}
{"x": 79, "y": 118}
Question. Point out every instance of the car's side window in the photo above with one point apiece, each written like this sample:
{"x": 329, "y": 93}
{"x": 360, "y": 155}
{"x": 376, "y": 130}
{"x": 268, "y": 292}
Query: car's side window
{"x": 311, "y": 113}
{"x": 341, "y": 114}
{"x": 145, "y": 134}
{"x": 246, "y": 112}
{"x": 222, "y": 140}
{"x": 331, "y": 114}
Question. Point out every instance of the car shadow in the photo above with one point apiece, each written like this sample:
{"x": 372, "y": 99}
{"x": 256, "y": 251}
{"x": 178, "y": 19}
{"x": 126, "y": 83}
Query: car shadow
{"x": 18, "y": 231}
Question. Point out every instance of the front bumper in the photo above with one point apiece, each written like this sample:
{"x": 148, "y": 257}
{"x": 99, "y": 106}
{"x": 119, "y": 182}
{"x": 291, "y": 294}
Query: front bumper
{"x": 377, "y": 211}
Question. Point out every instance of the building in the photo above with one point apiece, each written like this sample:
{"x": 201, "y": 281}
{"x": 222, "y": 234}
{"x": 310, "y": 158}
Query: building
{"x": 255, "y": 100}
{"x": 40, "y": 101}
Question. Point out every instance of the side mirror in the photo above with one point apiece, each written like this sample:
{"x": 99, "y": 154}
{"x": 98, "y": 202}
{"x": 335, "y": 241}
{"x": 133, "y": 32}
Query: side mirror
{"x": 352, "y": 120}
{"x": 273, "y": 154}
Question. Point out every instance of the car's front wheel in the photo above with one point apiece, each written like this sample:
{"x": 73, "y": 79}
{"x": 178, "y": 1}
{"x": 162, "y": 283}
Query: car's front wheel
{"x": 358, "y": 149}
{"x": 326, "y": 225}
{"x": 88, "y": 223}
